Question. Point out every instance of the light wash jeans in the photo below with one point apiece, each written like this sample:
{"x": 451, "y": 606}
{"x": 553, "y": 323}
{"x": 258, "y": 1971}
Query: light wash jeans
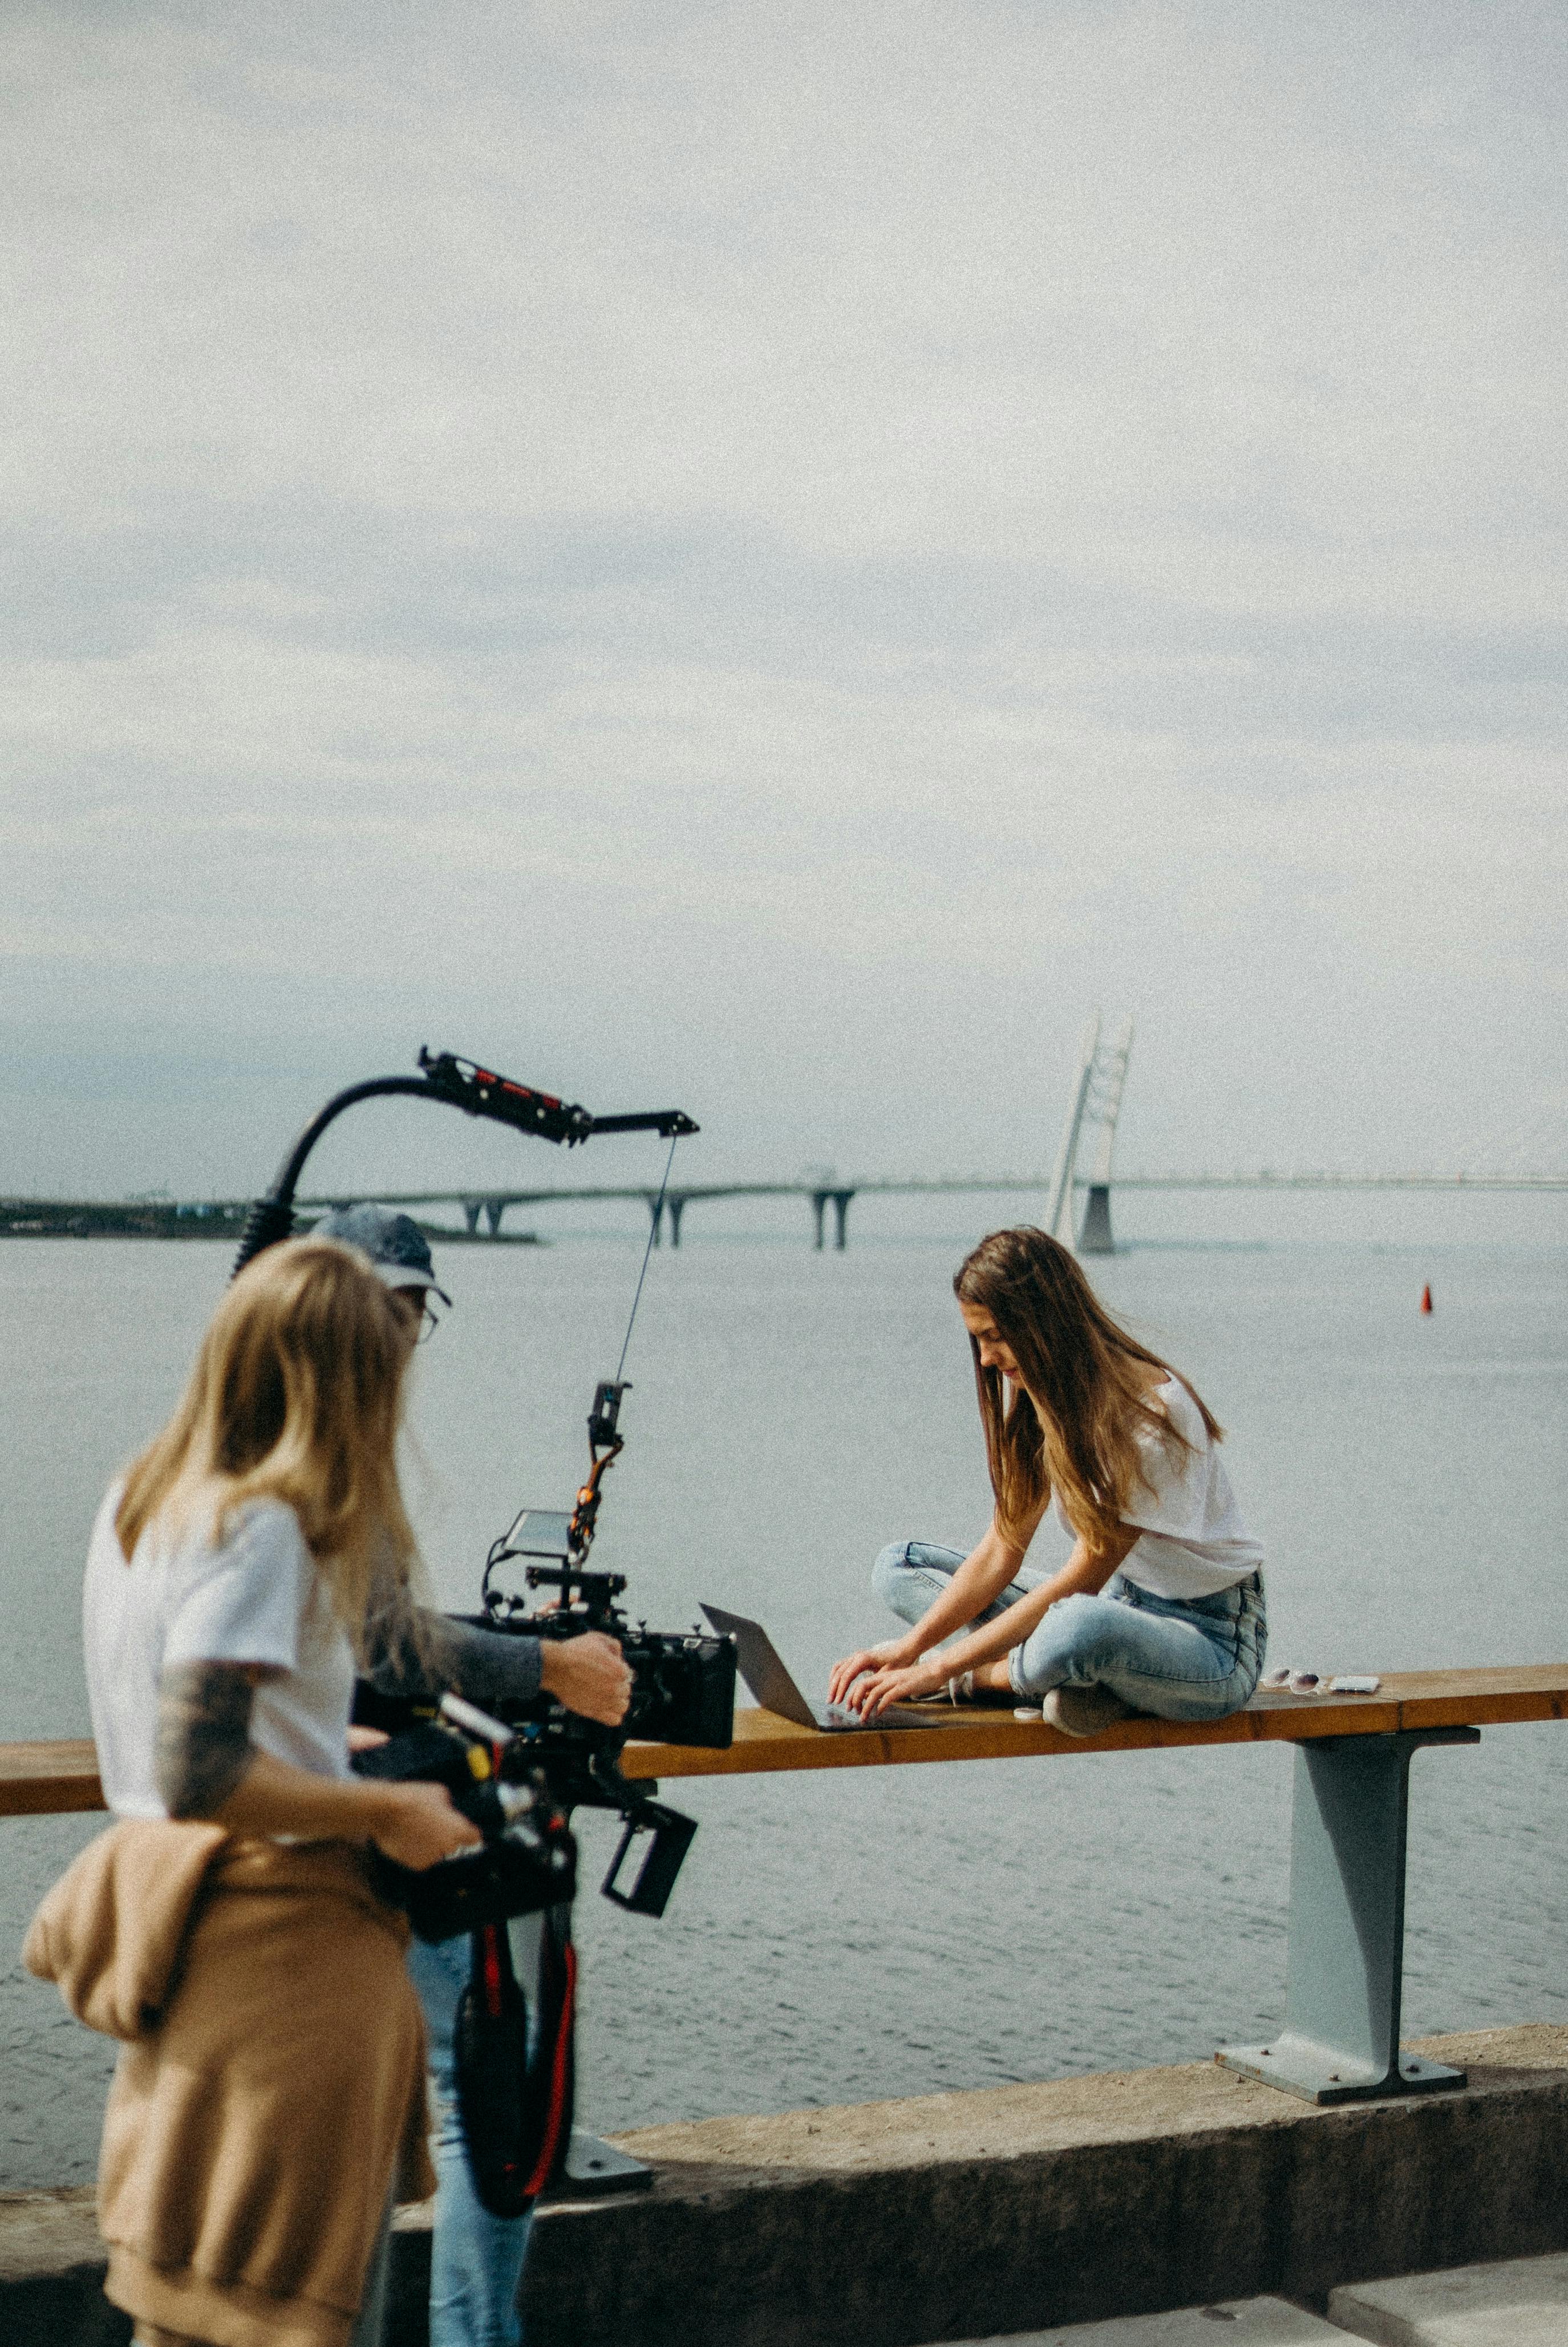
{"x": 475, "y": 2259}
{"x": 371, "y": 2320}
{"x": 1180, "y": 1658}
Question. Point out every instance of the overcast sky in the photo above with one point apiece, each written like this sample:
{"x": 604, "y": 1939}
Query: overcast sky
{"x": 770, "y": 557}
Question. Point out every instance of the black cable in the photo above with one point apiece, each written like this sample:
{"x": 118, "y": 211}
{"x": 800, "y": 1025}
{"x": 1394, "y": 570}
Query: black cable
{"x": 656, "y": 1218}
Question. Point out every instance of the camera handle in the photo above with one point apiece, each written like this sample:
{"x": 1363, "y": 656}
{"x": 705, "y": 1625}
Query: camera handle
{"x": 669, "y": 1834}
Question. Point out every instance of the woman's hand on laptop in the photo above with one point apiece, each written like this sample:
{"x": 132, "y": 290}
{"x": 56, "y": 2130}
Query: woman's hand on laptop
{"x": 888, "y": 1682}
{"x": 892, "y": 1653}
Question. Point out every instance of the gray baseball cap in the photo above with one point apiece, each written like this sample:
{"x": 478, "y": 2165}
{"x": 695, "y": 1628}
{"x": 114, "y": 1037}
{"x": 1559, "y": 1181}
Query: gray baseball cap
{"x": 399, "y": 1249}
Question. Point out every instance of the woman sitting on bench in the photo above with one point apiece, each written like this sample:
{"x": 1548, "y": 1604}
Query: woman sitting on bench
{"x": 1159, "y": 1608}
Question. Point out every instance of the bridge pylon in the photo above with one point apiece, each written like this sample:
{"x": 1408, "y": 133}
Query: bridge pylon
{"x": 1103, "y": 1108}
{"x": 1095, "y": 1100}
{"x": 1058, "y": 1198}
{"x": 839, "y": 1200}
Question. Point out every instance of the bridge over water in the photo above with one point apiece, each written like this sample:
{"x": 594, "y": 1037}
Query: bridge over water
{"x": 212, "y": 1218}
{"x": 1081, "y": 1172}
{"x": 1082, "y": 1169}
{"x": 1093, "y": 1237}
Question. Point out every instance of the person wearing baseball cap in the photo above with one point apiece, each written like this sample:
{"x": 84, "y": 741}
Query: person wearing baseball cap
{"x": 398, "y": 1250}
{"x": 476, "y": 2258}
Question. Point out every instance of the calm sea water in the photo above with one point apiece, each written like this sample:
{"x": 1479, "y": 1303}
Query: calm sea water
{"x": 886, "y": 1932}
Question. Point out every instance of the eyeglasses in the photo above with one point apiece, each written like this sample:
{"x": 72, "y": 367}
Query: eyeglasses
{"x": 429, "y": 1318}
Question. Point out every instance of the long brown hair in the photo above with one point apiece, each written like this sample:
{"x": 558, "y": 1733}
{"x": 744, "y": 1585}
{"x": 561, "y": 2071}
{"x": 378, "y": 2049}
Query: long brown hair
{"x": 1074, "y": 1424}
{"x": 296, "y": 1396}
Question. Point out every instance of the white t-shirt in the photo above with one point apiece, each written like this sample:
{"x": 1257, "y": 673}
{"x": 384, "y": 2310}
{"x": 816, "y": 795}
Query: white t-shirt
{"x": 258, "y": 1597}
{"x": 1191, "y": 1541}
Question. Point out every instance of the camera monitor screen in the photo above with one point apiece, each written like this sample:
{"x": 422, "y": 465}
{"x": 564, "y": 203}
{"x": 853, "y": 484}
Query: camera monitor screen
{"x": 539, "y": 1532}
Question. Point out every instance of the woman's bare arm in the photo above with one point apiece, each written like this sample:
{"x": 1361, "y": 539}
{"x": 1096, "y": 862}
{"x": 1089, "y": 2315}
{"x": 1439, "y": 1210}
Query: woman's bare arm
{"x": 202, "y": 1747}
{"x": 415, "y": 1824}
{"x": 1085, "y": 1573}
{"x": 205, "y": 1766}
{"x": 978, "y": 1583}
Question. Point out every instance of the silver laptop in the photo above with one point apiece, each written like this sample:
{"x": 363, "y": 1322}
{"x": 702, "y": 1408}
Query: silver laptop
{"x": 766, "y": 1672}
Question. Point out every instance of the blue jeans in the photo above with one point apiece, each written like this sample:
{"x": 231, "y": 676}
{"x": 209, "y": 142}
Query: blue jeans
{"x": 1178, "y": 1657}
{"x": 475, "y": 2259}
{"x": 371, "y": 2320}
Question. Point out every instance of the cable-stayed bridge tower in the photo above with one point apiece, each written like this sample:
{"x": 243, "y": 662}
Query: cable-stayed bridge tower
{"x": 1059, "y": 1197}
{"x": 1094, "y": 1106}
{"x": 1103, "y": 1108}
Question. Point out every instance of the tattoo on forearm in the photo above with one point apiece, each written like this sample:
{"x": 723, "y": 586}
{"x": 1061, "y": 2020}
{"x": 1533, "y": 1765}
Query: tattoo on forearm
{"x": 203, "y": 1746}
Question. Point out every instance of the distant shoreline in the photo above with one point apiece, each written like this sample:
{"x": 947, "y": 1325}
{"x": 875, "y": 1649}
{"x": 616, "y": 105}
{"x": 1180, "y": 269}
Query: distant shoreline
{"x": 40, "y": 1218}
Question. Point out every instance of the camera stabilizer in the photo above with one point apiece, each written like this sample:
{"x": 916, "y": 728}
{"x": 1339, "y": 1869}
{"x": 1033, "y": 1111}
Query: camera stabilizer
{"x": 519, "y": 1779}
{"x": 515, "y": 2100}
{"x": 529, "y": 1856}
{"x": 545, "y": 1760}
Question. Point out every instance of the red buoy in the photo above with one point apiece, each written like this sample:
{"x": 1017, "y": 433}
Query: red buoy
{"x": 1426, "y": 1299}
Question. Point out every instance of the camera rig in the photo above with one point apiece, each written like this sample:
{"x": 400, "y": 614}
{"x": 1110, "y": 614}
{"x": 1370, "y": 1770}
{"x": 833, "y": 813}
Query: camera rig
{"x": 528, "y": 1857}
{"x": 545, "y": 1760}
{"x": 682, "y": 1682}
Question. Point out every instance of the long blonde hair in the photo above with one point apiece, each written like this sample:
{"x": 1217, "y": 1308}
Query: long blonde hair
{"x": 296, "y": 1396}
{"x": 1074, "y": 1424}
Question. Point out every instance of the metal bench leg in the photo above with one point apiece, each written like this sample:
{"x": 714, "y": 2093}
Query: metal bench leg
{"x": 1341, "y": 2042}
{"x": 593, "y": 2168}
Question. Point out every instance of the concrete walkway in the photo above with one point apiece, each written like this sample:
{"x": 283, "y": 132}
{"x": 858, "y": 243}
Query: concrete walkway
{"x": 1517, "y": 2302}
{"x": 1520, "y": 2303}
{"x": 1249, "y": 2322}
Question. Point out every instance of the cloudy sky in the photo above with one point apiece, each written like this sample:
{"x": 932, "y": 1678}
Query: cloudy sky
{"x": 772, "y": 556}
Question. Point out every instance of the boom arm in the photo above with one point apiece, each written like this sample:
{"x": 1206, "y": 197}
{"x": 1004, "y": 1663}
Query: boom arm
{"x": 461, "y": 1083}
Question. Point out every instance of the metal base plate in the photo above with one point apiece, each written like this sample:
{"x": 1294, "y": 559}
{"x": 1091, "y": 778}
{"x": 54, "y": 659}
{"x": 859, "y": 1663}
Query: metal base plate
{"x": 594, "y": 2167}
{"x": 1320, "y": 2075}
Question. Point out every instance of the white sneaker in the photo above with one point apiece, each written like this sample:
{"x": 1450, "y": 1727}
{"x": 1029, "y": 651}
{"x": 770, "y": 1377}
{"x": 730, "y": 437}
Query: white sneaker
{"x": 1084, "y": 1710}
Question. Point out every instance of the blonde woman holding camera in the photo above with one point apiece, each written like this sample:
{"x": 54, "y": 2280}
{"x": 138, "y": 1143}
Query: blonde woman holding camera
{"x": 270, "y": 2083}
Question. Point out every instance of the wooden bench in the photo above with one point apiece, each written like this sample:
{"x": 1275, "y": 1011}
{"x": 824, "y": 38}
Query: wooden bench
{"x": 1340, "y": 2040}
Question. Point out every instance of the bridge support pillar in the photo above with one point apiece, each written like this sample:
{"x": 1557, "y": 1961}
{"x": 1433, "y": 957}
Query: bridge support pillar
{"x": 656, "y": 1208}
{"x": 839, "y": 1200}
{"x": 471, "y": 1211}
{"x": 494, "y": 1209}
{"x": 1345, "y": 1964}
{"x": 675, "y": 1208}
{"x": 1095, "y": 1238}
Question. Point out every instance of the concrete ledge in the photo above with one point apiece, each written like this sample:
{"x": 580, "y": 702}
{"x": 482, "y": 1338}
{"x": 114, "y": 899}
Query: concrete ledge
{"x": 51, "y": 2273}
{"x": 1022, "y": 2208}
{"x": 1520, "y": 2303}
{"x": 52, "y": 2270}
{"x": 955, "y": 2217}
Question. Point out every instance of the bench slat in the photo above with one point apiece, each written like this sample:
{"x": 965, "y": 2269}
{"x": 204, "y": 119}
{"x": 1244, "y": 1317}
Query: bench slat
{"x": 39, "y": 1779}
{"x": 42, "y": 1779}
{"x": 1474, "y": 1699}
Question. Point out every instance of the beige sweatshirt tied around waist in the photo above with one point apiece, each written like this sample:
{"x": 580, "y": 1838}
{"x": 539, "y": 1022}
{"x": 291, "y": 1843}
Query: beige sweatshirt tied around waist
{"x": 271, "y": 2082}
